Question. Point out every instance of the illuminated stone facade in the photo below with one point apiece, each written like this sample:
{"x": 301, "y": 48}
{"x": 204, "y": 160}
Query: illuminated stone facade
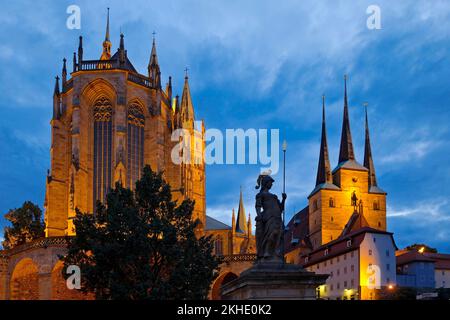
{"x": 108, "y": 122}
{"x": 345, "y": 206}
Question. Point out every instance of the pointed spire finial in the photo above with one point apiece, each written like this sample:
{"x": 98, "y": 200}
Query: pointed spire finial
{"x": 187, "y": 107}
{"x": 74, "y": 62}
{"x": 169, "y": 89}
{"x": 346, "y": 149}
{"x": 186, "y": 73}
{"x": 64, "y": 72}
{"x": 107, "y": 27}
{"x": 106, "y": 53}
{"x": 80, "y": 50}
{"x": 241, "y": 224}
{"x": 122, "y": 49}
{"x": 56, "y": 91}
{"x": 153, "y": 66}
{"x": 323, "y": 167}
{"x": 368, "y": 160}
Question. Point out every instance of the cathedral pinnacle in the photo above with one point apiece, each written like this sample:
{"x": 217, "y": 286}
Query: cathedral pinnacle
{"x": 106, "y": 54}
{"x": 187, "y": 108}
{"x": 80, "y": 51}
{"x": 241, "y": 224}
{"x": 64, "y": 72}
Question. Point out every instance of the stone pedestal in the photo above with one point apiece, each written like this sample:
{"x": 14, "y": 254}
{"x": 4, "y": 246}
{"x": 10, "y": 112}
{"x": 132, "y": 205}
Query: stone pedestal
{"x": 274, "y": 281}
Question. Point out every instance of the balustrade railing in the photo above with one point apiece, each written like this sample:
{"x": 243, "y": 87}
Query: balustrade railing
{"x": 94, "y": 65}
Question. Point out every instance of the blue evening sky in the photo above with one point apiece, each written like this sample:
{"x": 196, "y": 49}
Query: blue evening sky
{"x": 257, "y": 64}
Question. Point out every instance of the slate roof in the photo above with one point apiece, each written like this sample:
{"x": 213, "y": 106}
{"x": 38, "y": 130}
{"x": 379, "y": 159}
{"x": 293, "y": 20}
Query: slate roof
{"x": 127, "y": 65}
{"x": 214, "y": 224}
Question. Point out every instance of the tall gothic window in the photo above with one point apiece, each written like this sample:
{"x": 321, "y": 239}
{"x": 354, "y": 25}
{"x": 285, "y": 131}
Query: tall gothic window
{"x": 102, "y": 148}
{"x": 218, "y": 246}
{"x": 135, "y": 143}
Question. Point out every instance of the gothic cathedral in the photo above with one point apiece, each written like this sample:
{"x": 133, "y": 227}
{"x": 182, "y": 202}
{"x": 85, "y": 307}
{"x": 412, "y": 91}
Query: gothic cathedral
{"x": 108, "y": 122}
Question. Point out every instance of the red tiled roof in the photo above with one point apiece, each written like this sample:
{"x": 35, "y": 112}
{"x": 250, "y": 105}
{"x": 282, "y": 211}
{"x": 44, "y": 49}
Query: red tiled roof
{"x": 339, "y": 246}
{"x": 298, "y": 228}
{"x": 442, "y": 261}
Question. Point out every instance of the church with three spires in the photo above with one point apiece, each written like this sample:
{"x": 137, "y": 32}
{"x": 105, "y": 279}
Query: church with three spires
{"x": 337, "y": 232}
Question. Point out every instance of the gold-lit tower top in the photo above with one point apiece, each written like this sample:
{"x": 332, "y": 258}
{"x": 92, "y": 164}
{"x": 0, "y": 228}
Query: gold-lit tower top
{"x": 106, "y": 54}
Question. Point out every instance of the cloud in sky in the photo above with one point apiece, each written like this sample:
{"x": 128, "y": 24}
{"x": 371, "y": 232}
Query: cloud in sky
{"x": 257, "y": 64}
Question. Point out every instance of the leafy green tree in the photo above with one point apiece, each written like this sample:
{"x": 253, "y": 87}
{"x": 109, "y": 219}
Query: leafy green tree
{"x": 141, "y": 245}
{"x": 27, "y": 225}
{"x": 418, "y": 246}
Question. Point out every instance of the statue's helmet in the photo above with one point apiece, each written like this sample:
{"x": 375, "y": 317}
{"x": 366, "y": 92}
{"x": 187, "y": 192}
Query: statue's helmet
{"x": 263, "y": 179}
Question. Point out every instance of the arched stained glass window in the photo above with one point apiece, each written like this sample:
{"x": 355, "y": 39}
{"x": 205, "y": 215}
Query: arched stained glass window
{"x": 135, "y": 143}
{"x": 102, "y": 148}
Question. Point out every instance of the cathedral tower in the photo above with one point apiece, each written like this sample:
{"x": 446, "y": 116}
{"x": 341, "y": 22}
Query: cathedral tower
{"x": 108, "y": 122}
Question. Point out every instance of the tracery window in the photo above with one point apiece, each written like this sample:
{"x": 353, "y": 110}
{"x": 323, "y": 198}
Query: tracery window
{"x": 135, "y": 143}
{"x": 218, "y": 246}
{"x": 102, "y": 148}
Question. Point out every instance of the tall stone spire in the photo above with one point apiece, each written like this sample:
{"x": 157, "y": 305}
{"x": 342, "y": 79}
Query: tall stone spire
{"x": 187, "y": 108}
{"x": 153, "y": 54}
{"x": 107, "y": 27}
{"x": 241, "y": 223}
{"x": 346, "y": 149}
{"x": 323, "y": 168}
{"x": 368, "y": 160}
{"x": 154, "y": 72}
{"x": 106, "y": 54}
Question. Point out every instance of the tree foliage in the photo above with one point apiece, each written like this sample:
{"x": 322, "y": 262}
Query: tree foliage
{"x": 27, "y": 225}
{"x": 141, "y": 245}
{"x": 418, "y": 246}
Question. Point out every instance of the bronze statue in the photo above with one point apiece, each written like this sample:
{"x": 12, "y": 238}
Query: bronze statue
{"x": 354, "y": 201}
{"x": 269, "y": 225}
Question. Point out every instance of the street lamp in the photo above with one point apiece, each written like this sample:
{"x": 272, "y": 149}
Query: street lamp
{"x": 284, "y": 148}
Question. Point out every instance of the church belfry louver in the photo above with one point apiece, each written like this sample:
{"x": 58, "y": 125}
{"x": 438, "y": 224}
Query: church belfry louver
{"x": 108, "y": 122}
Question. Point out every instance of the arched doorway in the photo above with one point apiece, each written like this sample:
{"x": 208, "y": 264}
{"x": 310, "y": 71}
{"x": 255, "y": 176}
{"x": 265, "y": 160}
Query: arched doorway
{"x": 24, "y": 283}
{"x": 224, "y": 278}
